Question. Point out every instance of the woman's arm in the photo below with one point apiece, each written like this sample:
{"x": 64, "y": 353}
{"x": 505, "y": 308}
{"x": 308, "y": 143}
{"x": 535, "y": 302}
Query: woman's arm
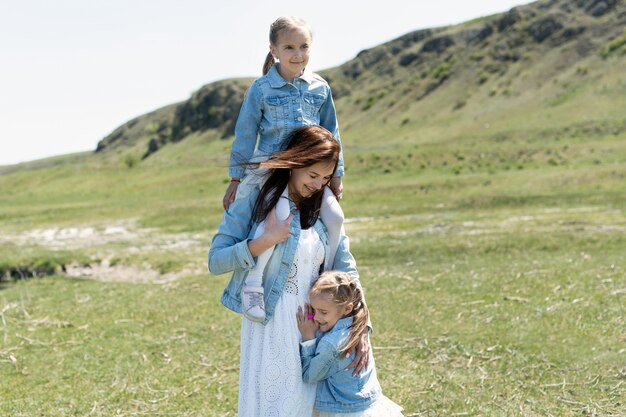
{"x": 229, "y": 247}
{"x": 275, "y": 231}
{"x": 344, "y": 261}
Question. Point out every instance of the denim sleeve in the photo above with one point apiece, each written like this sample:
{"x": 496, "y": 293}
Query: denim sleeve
{"x": 318, "y": 358}
{"x": 328, "y": 120}
{"x": 344, "y": 261}
{"x": 229, "y": 247}
{"x": 246, "y": 131}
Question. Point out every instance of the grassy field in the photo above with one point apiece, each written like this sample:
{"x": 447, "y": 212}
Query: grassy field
{"x": 495, "y": 274}
{"x": 488, "y": 221}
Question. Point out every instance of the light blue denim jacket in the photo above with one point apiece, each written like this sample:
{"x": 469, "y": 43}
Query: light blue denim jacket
{"x": 273, "y": 107}
{"x": 229, "y": 252}
{"x": 337, "y": 390}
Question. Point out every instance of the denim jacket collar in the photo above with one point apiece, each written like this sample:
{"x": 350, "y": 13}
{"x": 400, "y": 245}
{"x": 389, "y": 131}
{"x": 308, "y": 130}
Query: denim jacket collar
{"x": 343, "y": 323}
{"x": 277, "y": 81}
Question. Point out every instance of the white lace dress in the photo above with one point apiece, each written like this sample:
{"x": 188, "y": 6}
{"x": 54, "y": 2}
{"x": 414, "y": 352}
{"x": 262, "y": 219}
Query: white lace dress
{"x": 270, "y": 376}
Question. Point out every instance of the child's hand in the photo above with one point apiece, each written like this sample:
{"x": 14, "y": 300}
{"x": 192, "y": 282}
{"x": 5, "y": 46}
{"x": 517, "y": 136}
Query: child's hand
{"x": 230, "y": 194}
{"x": 337, "y": 187}
{"x": 306, "y": 324}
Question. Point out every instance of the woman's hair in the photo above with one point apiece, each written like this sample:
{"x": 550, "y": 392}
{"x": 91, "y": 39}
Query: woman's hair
{"x": 307, "y": 146}
{"x": 279, "y": 25}
{"x": 342, "y": 289}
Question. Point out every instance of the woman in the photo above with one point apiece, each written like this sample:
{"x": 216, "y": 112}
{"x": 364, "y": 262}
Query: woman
{"x": 270, "y": 379}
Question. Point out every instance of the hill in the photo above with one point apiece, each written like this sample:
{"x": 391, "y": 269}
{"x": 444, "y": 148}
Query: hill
{"x": 541, "y": 62}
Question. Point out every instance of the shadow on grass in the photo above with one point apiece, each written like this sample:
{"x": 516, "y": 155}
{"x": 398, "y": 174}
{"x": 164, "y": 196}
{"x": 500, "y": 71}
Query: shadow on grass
{"x": 9, "y": 278}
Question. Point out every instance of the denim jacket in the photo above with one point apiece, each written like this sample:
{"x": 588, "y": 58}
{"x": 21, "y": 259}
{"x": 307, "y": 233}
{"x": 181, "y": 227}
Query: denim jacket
{"x": 229, "y": 252}
{"x": 273, "y": 107}
{"x": 338, "y": 390}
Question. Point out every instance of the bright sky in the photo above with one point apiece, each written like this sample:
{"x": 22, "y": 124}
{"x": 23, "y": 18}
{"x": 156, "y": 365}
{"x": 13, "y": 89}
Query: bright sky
{"x": 71, "y": 71}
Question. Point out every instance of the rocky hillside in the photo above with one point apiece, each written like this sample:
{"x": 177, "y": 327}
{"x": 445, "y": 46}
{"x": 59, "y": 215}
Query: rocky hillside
{"x": 214, "y": 106}
{"x": 500, "y": 61}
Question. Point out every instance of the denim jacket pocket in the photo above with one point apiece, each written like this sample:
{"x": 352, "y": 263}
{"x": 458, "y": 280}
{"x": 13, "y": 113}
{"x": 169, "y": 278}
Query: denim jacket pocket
{"x": 311, "y": 104}
{"x": 278, "y": 106}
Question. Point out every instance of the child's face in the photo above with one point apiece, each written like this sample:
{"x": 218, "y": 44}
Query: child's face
{"x": 308, "y": 180}
{"x": 292, "y": 50}
{"x": 327, "y": 312}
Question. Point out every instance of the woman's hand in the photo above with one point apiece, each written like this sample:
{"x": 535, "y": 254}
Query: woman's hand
{"x": 275, "y": 232}
{"x": 361, "y": 352}
{"x": 306, "y": 324}
{"x": 337, "y": 187}
{"x": 231, "y": 193}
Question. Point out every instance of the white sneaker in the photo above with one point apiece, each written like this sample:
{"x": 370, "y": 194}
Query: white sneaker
{"x": 253, "y": 303}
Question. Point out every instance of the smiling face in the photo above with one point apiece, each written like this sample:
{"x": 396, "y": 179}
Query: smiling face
{"x": 304, "y": 182}
{"x": 292, "y": 50}
{"x": 327, "y": 312}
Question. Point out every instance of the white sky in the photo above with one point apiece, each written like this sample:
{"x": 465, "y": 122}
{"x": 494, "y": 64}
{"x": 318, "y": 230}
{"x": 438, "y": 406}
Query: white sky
{"x": 71, "y": 71}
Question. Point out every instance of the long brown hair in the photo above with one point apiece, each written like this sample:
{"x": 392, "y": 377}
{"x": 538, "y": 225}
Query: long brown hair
{"x": 280, "y": 24}
{"x": 307, "y": 146}
{"x": 342, "y": 290}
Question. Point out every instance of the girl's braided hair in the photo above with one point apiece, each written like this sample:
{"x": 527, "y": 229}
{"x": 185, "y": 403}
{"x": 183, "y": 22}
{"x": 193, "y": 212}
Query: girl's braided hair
{"x": 342, "y": 290}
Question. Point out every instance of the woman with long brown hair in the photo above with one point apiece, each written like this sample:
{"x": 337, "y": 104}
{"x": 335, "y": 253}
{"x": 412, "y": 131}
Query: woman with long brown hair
{"x": 271, "y": 371}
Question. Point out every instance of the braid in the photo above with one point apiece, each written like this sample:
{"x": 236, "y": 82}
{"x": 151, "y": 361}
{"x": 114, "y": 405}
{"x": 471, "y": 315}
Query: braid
{"x": 360, "y": 318}
{"x": 269, "y": 61}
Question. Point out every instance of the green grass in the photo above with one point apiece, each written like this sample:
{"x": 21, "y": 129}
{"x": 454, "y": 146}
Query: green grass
{"x": 74, "y": 347}
{"x": 617, "y": 45}
{"x": 493, "y": 291}
{"x": 498, "y": 312}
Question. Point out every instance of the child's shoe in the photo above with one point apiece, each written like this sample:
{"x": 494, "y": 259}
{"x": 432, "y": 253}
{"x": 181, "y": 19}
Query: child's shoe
{"x": 253, "y": 303}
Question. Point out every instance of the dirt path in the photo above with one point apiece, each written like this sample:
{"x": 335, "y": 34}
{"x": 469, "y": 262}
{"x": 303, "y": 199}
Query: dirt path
{"x": 104, "y": 271}
{"x": 104, "y": 242}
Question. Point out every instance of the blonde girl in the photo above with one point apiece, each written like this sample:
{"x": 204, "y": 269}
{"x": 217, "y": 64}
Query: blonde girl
{"x": 331, "y": 326}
